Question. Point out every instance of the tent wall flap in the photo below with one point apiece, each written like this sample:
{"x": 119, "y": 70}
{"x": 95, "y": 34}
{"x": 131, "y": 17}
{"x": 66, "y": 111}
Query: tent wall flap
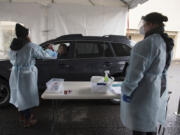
{"x": 88, "y": 20}
{"x": 31, "y": 15}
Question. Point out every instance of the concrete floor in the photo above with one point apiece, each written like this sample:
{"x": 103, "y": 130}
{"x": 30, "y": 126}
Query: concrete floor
{"x": 174, "y": 86}
{"x": 98, "y": 117}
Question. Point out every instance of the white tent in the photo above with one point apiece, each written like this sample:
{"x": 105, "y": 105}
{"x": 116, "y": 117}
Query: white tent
{"x": 48, "y": 19}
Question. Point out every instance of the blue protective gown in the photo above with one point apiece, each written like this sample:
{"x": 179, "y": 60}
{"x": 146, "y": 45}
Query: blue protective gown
{"x": 163, "y": 108}
{"x": 164, "y": 100}
{"x": 51, "y": 53}
{"x": 24, "y": 75}
{"x": 165, "y": 97}
{"x": 143, "y": 84}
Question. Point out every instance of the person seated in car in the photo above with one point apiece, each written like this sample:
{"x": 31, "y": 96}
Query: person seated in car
{"x": 62, "y": 51}
{"x": 50, "y": 50}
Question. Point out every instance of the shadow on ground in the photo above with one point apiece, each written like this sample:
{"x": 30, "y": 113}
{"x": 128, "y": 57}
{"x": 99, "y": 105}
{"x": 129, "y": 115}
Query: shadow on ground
{"x": 74, "y": 118}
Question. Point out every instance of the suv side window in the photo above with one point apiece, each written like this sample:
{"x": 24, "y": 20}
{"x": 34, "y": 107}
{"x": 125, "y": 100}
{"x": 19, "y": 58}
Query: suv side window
{"x": 121, "y": 49}
{"x": 92, "y": 50}
{"x": 62, "y": 49}
{"x": 107, "y": 50}
{"x": 87, "y": 50}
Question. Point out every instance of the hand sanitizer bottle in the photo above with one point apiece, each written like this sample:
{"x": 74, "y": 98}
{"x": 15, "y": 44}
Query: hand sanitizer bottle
{"x": 106, "y": 78}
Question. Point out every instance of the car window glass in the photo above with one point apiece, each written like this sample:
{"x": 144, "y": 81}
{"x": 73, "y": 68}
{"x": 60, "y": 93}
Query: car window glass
{"x": 107, "y": 50}
{"x": 88, "y": 50}
{"x": 121, "y": 50}
{"x": 62, "y": 49}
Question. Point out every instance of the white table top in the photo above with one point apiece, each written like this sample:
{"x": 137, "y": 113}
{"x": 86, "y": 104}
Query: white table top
{"x": 80, "y": 90}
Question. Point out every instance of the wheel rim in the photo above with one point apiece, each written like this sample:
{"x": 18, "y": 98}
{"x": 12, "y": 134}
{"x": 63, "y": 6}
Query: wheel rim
{"x": 4, "y": 93}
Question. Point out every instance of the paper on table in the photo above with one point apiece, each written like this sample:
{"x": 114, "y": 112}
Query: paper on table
{"x": 116, "y": 88}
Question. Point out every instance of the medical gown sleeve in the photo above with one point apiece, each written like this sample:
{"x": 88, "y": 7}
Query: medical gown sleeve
{"x": 39, "y": 53}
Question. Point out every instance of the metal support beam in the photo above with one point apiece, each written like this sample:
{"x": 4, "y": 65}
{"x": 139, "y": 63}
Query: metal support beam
{"x": 92, "y": 3}
{"x": 124, "y": 2}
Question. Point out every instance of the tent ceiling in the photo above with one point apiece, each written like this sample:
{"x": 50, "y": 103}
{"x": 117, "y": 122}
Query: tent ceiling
{"x": 129, "y": 3}
{"x": 133, "y": 3}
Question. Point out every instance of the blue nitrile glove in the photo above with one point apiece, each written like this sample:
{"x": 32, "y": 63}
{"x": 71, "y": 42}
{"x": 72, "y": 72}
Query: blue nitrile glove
{"x": 127, "y": 98}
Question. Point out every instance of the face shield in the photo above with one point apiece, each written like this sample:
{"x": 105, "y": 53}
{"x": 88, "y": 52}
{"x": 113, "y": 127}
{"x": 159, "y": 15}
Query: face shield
{"x": 29, "y": 32}
{"x": 141, "y": 27}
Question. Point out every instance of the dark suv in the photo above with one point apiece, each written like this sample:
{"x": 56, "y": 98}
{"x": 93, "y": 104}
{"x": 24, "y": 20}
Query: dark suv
{"x": 87, "y": 56}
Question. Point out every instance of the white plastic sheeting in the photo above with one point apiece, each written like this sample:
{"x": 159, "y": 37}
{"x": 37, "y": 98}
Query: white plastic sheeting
{"x": 88, "y": 20}
{"x": 88, "y": 17}
{"x": 113, "y": 3}
{"x": 31, "y": 15}
{"x": 46, "y": 22}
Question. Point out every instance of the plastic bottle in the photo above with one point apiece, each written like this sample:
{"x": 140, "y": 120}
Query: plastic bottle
{"x": 106, "y": 78}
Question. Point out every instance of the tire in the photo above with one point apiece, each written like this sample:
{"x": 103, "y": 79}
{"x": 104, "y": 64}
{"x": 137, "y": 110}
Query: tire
{"x": 4, "y": 93}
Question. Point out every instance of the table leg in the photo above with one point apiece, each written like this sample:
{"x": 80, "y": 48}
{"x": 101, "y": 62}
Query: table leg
{"x": 52, "y": 117}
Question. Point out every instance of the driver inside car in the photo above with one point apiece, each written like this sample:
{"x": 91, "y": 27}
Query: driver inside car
{"x": 62, "y": 51}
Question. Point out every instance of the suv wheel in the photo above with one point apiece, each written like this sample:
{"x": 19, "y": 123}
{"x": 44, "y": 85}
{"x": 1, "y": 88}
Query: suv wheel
{"x": 4, "y": 93}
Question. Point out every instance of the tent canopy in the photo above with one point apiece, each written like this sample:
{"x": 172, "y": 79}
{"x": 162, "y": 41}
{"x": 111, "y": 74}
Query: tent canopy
{"x": 129, "y": 3}
{"x": 48, "y": 19}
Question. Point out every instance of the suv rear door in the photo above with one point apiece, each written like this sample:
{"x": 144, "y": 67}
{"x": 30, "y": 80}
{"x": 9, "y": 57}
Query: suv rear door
{"x": 89, "y": 59}
{"x": 122, "y": 53}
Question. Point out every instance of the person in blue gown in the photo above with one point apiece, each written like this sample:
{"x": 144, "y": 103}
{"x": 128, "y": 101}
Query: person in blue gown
{"x": 24, "y": 74}
{"x": 144, "y": 92}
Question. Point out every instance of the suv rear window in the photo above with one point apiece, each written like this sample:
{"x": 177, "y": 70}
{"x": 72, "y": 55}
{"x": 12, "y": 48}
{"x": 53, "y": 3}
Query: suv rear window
{"x": 121, "y": 50}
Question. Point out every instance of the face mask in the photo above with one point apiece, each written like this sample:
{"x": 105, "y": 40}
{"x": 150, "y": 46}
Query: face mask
{"x": 141, "y": 30}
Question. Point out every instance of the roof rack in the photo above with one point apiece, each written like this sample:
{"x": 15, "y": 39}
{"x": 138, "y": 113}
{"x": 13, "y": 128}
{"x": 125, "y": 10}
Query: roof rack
{"x": 70, "y": 36}
{"x": 79, "y": 37}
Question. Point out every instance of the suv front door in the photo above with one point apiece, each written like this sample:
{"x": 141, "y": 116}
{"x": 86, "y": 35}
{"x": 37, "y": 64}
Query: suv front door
{"x": 54, "y": 68}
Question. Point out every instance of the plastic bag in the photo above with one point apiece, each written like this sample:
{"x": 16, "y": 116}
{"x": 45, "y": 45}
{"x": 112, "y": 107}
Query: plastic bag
{"x": 55, "y": 85}
{"x": 116, "y": 88}
{"x": 99, "y": 86}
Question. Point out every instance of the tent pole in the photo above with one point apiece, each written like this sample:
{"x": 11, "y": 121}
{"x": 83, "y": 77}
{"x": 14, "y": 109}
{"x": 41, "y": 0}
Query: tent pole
{"x": 128, "y": 28}
{"x": 125, "y": 3}
{"x": 92, "y": 2}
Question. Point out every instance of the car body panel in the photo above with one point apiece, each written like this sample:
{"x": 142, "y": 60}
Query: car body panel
{"x": 73, "y": 68}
